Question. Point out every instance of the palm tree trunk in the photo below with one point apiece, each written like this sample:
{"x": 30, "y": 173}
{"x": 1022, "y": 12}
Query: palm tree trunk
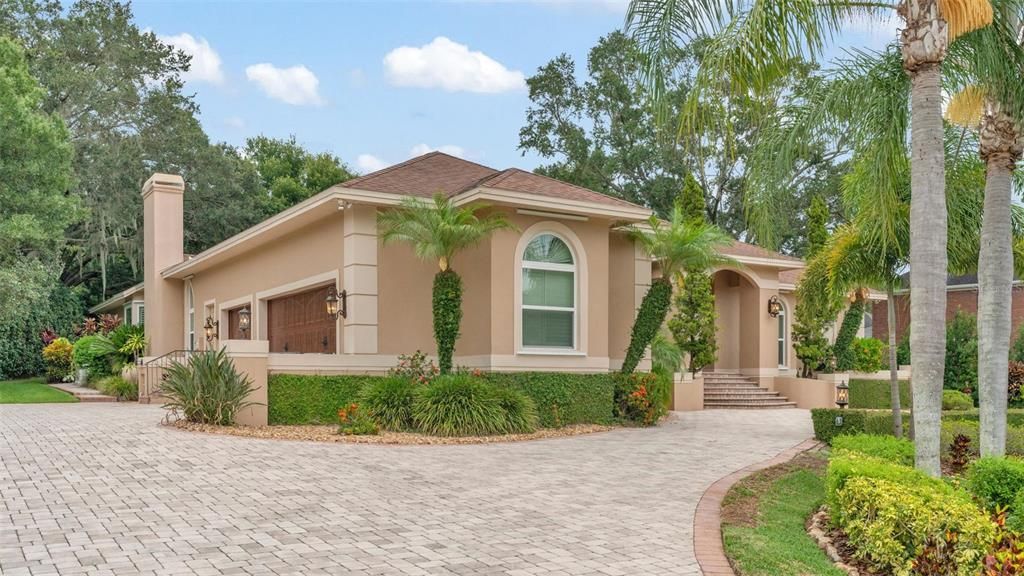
{"x": 894, "y": 383}
{"x": 924, "y": 43}
{"x": 999, "y": 148}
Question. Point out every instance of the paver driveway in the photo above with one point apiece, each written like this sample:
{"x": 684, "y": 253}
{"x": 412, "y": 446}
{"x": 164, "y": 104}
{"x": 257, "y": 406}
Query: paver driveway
{"x": 101, "y": 489}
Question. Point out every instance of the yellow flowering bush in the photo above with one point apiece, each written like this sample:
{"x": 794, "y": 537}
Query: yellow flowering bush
{"x": 57, "y": 356}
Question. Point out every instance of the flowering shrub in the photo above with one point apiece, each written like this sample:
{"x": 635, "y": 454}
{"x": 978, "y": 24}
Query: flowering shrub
{"x": 416, "y": 367}
{"x": 1006, "y": 557}
{"x": 637, "y": 398}
{"x": 353, "y": 422}
{"x": 88, "y": 327}
{"x": 58, "y": 358}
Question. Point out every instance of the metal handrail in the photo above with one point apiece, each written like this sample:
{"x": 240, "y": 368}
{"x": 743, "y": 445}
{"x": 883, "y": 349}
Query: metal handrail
{"x": 153, "y": 369}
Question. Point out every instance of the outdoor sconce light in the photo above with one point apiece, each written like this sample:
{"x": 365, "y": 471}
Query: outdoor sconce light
{"x": 211, "y": 328}
{"x": 337, "y": 303}
{"x": 244, "y": 317}
{"x": 774, "y": 306}
{"x": 842, "y": 394}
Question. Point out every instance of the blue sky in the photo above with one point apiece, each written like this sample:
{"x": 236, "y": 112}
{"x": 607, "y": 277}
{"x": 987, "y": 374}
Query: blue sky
{"x": 378, "y": 82}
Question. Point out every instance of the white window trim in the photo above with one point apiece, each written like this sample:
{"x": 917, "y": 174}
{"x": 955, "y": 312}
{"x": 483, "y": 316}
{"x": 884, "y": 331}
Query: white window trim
{"x": 310, "y": 282}
{"x": 783, "y": 317}
{"x": 190, "y": 315}
{"x": 580, "y": 289}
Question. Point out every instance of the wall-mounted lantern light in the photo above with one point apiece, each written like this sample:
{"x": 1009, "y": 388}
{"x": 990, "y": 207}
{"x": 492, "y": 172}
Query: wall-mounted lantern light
{"x": 244, "y": 318}
{"x": 774, "y": 306}
{"x": 337, "y": 303}
{"x": 211, "y": 327}
{"x": 842, "y": 394}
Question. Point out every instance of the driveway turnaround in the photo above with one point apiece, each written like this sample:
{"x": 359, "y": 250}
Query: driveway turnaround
{"x": 103, "y": 489}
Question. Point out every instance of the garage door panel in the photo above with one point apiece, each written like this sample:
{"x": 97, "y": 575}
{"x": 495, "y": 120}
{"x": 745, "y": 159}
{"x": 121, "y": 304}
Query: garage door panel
{"x": 299, "y": 324}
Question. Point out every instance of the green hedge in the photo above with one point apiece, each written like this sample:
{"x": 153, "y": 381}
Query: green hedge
{"x": 305, "y": 399}
{"x": 854, "y": 422}
{"x": 1014, "y": 417}
{"x": 562, "y": 399}
{"x": 875, "y": 394}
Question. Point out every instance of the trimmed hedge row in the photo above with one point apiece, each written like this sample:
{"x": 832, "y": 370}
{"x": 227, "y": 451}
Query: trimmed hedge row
{"x": 875, "y": 394}
{"x": 853, "y": 422}
{"x": 562, "y": 399}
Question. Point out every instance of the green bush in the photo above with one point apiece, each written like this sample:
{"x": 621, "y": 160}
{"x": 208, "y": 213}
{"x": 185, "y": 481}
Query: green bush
{"x": 876, "y": 394}
{"x": 648, "y": 321}
{"x": 956, "y": 400}
{"x": 563, "y": 399}
{"x": 995, "y": 481}
{"x": 1015, "y": 519}
{"x": 962, "y": 353}
{"x": 868, "y": 354}
{"x": 388, "y": 401}
{"x": 843, "y": 346}
{"x": 1014, "y": 417}
{"x": 94, "y": 353}
{"x": 846, "y": 465}
{"x": 903, "y": 350}
{"x": 853, "y": 422}
{"x": 19, "y": 335}
{"x": 352, "y": 421}
{"x": 1017, "y": 349}
{"x": 888, "y": 448}
{"x": 119, "y": 388}
{"x": 309, "y": 399}
{"x": 206, "y": 390}
{"x": 458, "y": 405}
{"x": 890, "y": 523}
{"x": 59, "y": 360}
{"x": 951, "y": 428}
{"x": 637, "y": 398}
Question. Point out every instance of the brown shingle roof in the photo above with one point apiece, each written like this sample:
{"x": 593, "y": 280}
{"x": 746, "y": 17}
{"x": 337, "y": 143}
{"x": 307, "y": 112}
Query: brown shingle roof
{"x": 436, "y": 172}
{"x": 790, "y": 276}
{"x": 743, "y": 249}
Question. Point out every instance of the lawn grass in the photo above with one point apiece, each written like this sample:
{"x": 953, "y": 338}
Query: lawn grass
{"x": 31, "y": 391}
{"x": 764, "y": 516}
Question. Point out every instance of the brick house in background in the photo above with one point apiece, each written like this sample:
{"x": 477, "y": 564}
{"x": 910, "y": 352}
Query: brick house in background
{"x": 961, "y": 294}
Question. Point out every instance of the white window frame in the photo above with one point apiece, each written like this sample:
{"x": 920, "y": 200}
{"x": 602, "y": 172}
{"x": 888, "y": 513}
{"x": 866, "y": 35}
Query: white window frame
{"x": 783, "y": 319}
{"x": 190, "y": 316}
{"x": 574, "y": 268}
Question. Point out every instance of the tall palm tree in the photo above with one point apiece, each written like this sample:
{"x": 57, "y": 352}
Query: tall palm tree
{"x": 438, "y": 231}
{"x": 993, "y": 105}
{"x": 682, "y": 244}
{"x": 754, "y": 42}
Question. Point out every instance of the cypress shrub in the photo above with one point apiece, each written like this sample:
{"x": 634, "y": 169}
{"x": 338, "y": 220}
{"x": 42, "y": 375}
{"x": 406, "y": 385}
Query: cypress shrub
{"x": 447, "y": 316}
{"x": 648, "y": 321}
{"x": 843, "y": 348}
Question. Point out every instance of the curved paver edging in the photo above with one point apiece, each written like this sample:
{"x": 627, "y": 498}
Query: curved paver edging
{"x": 707, "y": 522}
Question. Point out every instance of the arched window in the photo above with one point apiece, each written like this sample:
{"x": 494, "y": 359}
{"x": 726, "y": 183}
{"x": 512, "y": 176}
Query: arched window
{"x": 783, "y": 338}
{"x": 549, "y": 294}
{"x": 190, "y": 306}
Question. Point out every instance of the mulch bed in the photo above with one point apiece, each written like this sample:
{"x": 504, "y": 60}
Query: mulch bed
{"x": 836, "y": 545}
{"x": 330, "y": 434}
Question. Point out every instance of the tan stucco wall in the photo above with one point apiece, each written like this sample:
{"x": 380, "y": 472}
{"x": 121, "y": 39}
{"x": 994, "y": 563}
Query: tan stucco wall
{"x": 621, "y": 295}
{"x": 250, "y": 359}
{"x": 163, "y": 246}
{"x": 727, "y": 287}
{"x": 806, "y": 392}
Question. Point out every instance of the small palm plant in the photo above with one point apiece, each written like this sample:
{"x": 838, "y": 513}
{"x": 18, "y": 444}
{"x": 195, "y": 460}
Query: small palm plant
{"x": 208, "y": 389}
{"x": 681, "y": 244}
{"x": 438, "y": 231}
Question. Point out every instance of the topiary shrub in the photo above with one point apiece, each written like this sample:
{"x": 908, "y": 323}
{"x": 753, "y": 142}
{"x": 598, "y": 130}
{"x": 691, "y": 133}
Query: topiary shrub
{"x": 888, "y": 448}
{"x": 388, "y": 402}
{"x": 995, "y": 482}
{"x": 458, "y": 405}
{"x": 447, "y": 306}
{"x": 59, "y": 361}
{"x": 956, "y": 400}
{"x": 648, "y": 321}
{"x": 868, "y": 354}
{"x": 842, "y": 348}
{"x": 207, "y": 389}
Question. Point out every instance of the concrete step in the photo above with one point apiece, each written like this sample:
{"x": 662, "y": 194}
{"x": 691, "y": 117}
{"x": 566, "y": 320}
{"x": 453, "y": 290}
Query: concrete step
{"x": 84, "y": 394}
{"x": 747, "y": 406}
{"x": 728, "y": 397}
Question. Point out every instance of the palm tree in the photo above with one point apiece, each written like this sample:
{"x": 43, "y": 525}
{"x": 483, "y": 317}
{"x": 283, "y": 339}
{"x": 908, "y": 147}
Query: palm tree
{"x": 754, "y": 42}
{"x": 993, "y": 104}
{"x": 437, "y": 232}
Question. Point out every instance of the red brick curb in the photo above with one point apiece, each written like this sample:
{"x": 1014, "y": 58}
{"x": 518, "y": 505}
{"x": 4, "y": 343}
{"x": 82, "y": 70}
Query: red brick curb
{"x": 707, "y": 523}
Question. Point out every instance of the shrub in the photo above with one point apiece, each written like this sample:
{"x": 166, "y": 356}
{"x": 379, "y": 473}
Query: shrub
{"x": 119, "y": 388}
{"x": 1015, "y": 520}
{"x": 311, "y": 399}
{"x": 563, "y": 399}
{"x": 58, "y": 358}
{"x": 867, "y": 354}
{"x": 903, "y": 350}
{"x": 1014, "y": 417}
{"x": 1007, "y": 554}
{"x": 995, "y": 482}
{"x": 888, "y": 448}
{"x": 876, "y": 394}
{"x": 636, "y": 398}
{"x": 93, "y": 353}
{"x": 458, "y": 405}
{"x": 520, "y": 411}
{"x": 648, "y": 321}
{"x": 415, "y": 367}
{"x": 21, "y": 333}
{"x": 207, "y": 389}
{"x": 843, "y": 346}
{"x": 959, "y": 453}
{"x": 846, "y": 465}
{"x": 1014, "y": 381}
{"x": 890, "y": 524}
{"x": 1017, "y": 349}
{"x": 447, "y": 307}
{"x": 129, "y": 340}
{"x": 388, "y": 401}
{"x": 969, "y": 428}
{"x": 962, "y": 353}
{"x": 853, "y": 422}
{"x": 354, "y": 422}
{"x": 956, "y": 400}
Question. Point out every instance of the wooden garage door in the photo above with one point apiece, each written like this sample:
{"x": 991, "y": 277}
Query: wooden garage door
{"x": 299, "y": 323}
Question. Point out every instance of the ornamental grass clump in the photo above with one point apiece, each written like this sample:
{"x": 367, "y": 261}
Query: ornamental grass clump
{"x": 207, "y": 389}
{"x": 464, "y": 405}
{"x": 388, "y": 401}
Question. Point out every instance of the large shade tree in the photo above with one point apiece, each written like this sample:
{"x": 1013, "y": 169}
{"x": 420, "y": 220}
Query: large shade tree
{"x": 437, "y": 232}
{"x": 754, "y": 42}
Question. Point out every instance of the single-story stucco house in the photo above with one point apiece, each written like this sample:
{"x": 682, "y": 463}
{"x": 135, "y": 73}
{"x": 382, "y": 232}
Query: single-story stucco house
{"x": 264, "y": 291}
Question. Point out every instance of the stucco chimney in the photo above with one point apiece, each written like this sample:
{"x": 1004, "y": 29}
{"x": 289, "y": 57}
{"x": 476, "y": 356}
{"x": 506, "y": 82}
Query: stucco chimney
{"x": 164, "y": 237}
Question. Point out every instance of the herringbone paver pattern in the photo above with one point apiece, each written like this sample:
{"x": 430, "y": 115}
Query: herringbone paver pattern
{"x": 102, "y": 489}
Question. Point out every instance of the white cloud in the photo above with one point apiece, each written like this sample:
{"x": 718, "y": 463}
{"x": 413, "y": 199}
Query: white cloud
{"x": 451, "y": 66}
{"x": 234, "y": 122}
{"x": 296, "y": 85}
{"x": 367, "y": 163}
{"x": 205, "y": 65}
{"x": 450, "y": 149}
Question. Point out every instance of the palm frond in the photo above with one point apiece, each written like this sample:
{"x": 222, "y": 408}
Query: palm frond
{"x": 682, "y": 244}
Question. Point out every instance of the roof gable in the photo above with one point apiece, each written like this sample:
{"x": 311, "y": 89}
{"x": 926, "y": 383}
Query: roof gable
{"x": 424, "y": 176}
